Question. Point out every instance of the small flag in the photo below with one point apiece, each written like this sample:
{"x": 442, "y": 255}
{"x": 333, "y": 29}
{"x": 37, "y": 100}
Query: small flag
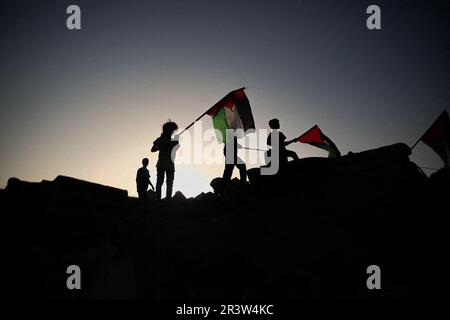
{"x": 232, "y": 112}
{"x": 438, "y": 137}
{"x": 315, "y": 137}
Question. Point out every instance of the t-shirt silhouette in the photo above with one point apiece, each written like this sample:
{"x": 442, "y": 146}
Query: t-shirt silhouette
{"x": 281, "y": 139}
{"x": 142, "y": 178}
{"x": 165, "y": 146}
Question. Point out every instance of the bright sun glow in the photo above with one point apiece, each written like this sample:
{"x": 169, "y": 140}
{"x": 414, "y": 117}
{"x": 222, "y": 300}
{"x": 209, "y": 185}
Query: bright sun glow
{"x": 190, "y": 182}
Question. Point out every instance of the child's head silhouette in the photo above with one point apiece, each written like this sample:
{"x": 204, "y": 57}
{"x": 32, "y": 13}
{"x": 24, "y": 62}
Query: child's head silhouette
{"x": 274, "y": 124}
{"x": 168, "y": 128}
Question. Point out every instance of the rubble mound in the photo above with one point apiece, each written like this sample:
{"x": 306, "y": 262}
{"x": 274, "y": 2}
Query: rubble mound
{"x": 310, "y": 231}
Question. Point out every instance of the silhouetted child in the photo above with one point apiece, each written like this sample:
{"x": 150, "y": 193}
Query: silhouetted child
{"x": 143, "y": 179}
{"x": 284, "y": 154}
{"x": 165, "y": 165}
{"x": 236, "y": 161}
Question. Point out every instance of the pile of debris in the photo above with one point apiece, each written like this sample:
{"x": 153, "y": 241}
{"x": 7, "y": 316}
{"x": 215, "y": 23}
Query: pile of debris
{"x": 309, "y": 232}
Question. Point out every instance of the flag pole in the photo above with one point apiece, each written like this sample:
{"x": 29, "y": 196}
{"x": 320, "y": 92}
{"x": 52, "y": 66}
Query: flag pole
{"x": 255, "y": 149}
{"x": 416, "y": 143}
{"x": 193, "y": 122}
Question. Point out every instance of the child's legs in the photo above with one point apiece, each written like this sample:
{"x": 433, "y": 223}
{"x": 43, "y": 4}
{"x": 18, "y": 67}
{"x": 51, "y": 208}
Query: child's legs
{"x": 291, "y": 154}
{"x": 228, "y": 172}
{"x": 170, "y": 175}
{"x": 159, "y": 181}
{"x": 242, "y": 172}
{"x": 142, "y": 193}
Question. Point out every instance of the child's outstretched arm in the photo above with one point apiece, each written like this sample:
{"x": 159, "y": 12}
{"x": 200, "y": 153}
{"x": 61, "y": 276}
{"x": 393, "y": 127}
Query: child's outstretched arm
{"x": 290, "y": 141}
{"x": 151, "y": 185}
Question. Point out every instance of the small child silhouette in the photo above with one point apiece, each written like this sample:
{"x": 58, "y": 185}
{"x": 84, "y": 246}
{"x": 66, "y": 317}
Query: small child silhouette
{"x": 165, "y": 165}
{"x": 274, "y": 124}
{"x": 143, "y": 179}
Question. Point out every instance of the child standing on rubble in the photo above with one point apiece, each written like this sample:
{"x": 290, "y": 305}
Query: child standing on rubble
{"x": 166, "y": 146}
{"x": 143, "y": 180}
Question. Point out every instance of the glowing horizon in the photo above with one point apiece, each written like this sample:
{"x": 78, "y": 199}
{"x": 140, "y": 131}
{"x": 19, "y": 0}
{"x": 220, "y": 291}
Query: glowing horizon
{"x": 89, "y": 104}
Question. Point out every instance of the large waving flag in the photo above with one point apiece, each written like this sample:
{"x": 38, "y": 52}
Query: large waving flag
{"x": 232, "y": 112}
{"x": 315, "y": 137}
{"x": 437, "y": 137}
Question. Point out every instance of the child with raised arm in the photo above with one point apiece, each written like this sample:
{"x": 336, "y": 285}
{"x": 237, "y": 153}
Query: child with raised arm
{"x": 165, "y": 165}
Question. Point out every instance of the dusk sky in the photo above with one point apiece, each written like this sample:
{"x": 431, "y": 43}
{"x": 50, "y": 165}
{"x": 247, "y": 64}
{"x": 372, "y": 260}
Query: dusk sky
{"x": 89, "y": 103}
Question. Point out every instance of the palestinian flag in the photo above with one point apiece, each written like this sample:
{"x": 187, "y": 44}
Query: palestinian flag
{"x": 315, "y": 137}
{"x": 232, "y": 112}
{"x": 438, "y": 137}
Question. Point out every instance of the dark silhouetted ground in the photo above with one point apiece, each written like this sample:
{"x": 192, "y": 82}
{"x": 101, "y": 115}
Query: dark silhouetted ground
{"x": 309, "y": 232}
